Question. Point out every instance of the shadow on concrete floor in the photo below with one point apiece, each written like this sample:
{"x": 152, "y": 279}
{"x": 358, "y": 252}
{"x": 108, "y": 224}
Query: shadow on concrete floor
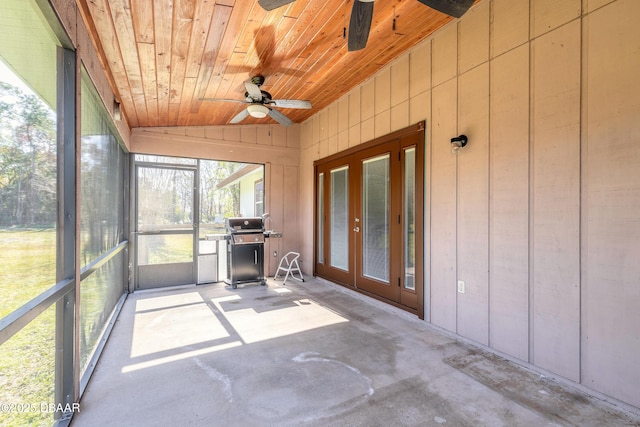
{"x": 314, "y": 354}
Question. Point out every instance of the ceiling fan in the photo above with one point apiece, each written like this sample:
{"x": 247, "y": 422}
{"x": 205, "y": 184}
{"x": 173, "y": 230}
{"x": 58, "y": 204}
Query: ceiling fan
{"x": 273, "y": 4}
{"x": 362, "y": 14}
{"x": 259, "y": 103}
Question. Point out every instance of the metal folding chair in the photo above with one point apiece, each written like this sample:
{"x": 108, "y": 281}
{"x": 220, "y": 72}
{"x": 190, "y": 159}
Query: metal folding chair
{"x": 289, "y": 264}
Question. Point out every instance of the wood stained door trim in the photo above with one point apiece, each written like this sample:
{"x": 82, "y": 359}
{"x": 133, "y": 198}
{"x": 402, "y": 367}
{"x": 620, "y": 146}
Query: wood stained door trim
{"x": 321, "y": 165}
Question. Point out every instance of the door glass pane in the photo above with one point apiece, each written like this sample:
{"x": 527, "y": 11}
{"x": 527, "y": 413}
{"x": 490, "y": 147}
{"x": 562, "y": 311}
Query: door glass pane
{"x": 165, "y": 207}
{"x": 339, "y": 256}
{"x": 165, "y": 248}
{"x": 375, "y": 221}
{"x": 165, "y": 199}
{"x": 409, "y": 198}
{"x": 320, "y": 236}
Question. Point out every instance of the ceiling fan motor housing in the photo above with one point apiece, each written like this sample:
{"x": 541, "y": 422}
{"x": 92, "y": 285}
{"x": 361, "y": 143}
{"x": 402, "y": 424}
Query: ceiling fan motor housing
{"x": 257, "y": 80}
{"x": 266, "y": 97}
{"x": 260, "y": 103}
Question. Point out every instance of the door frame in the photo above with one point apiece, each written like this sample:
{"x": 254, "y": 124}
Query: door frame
{"x": 172, "y": 273}
{"x": 411, "y": 136}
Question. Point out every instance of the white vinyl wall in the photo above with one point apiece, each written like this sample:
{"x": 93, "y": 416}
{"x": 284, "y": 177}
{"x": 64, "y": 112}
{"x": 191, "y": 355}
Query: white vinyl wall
{"x": 540, "y": 214}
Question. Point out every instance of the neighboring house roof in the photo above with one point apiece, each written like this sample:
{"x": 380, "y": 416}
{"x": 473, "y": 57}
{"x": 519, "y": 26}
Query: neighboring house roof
{"x": 238, "y": 175}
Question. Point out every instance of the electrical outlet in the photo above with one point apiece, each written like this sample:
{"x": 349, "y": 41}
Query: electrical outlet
{"x": 461, "y": 286}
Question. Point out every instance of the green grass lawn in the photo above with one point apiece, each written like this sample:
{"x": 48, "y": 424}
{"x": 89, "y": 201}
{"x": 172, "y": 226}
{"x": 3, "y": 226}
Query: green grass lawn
{"x": 27, "y": 360}
{"x": 27, "y": 266}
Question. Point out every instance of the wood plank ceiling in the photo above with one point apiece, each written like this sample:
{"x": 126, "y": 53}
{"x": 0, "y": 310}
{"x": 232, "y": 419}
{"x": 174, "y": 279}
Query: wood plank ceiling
{"x": 162, "y": 56}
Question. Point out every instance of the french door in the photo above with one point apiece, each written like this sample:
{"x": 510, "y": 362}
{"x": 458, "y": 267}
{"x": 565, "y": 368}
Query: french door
{"x": 369, "y": 218}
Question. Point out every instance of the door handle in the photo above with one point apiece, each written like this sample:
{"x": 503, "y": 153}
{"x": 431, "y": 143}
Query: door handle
{"x": 255, "y": 256}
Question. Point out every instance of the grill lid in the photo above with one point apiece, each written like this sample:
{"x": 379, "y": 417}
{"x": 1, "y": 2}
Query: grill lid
{"x": 244, "y": 225}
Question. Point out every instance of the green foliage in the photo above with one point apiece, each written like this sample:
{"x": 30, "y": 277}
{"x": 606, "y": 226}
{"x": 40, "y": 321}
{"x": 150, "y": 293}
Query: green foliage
{"x": 216, "y": 204}
{"x": 27, "y": 159}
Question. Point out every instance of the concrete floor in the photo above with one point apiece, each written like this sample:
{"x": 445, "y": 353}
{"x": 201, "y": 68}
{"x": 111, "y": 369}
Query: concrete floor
{"x": 310, "y": 354}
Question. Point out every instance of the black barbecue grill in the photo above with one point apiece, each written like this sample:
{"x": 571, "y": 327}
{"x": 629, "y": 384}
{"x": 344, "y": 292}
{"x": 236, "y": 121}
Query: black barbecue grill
{"x": 245, "y": 251}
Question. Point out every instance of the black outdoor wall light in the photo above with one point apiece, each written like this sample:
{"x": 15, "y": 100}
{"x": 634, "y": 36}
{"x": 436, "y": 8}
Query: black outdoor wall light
{"x": 458, "y": 142}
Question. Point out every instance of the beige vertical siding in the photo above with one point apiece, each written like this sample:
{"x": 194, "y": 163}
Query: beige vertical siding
{"x": 443, "y": 298}
{"x": 473, "y": 205}
{"x": 509, "y": 202}
{"x": 555, "y": 200}
{"x": 540, "y": 214}
{"x": 611, "y": 201}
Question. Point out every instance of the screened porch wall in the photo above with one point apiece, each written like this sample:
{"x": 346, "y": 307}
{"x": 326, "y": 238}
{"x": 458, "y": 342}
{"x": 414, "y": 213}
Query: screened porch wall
{"x": 71, "y": 18}
{"x": 274, "y": 146}
{"x": 540, "y": 214}
{"x": 89, "y": 267}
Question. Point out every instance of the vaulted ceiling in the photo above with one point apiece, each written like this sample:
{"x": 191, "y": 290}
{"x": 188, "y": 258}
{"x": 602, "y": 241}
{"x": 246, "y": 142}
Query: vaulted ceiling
{"x": 163, "y": 56}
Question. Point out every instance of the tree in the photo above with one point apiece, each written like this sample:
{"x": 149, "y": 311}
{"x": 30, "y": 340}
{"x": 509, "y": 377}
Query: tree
{"x": 27, "y": 159}
{"x": 214, "y": 202}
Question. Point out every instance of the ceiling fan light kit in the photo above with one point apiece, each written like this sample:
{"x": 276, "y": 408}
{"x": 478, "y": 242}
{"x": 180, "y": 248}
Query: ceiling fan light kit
{"x": 258, "y": 111}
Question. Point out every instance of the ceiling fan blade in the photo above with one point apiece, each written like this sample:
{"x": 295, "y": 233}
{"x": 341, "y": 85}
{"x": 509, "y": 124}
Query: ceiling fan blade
{"x": 254, "y": 91}
{"x": 359, "y": 24}
{"x": 222, "y": 100}
{"x": 291, "y": 103}
{"x": 273, "y": 4}
{"x": 279, "y": 117}
{"x": 240, "y": 116}
{"x": 455, "y": 8}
